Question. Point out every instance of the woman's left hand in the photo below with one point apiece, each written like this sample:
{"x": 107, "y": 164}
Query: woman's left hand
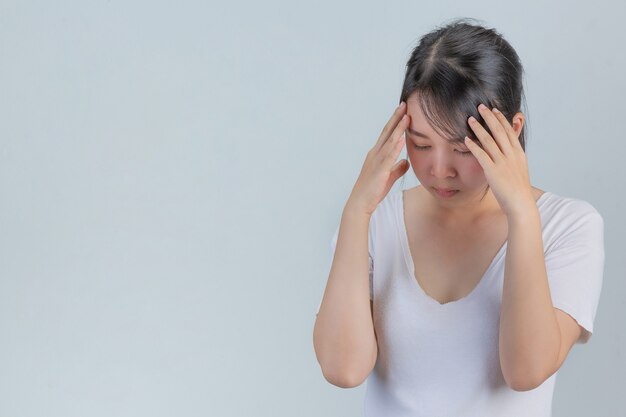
{"x": 503, "y": 160}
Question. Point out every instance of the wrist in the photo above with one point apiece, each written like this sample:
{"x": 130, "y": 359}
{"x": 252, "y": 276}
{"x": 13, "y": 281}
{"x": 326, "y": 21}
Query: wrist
{"x": 353, "y": 210}
{"x": 523, "y": 214}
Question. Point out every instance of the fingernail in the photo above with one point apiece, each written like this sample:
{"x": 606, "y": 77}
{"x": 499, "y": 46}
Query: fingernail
{"x": 496, "y": 110}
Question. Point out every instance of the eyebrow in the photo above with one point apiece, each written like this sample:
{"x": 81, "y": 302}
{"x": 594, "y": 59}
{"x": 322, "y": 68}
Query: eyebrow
{"x": 418, "y": 134}
{"x": 422, "y": 135}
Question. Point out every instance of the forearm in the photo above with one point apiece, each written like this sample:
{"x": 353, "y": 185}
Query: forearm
{"x": 344, "y": 338}
{"x": 529, "y": 338}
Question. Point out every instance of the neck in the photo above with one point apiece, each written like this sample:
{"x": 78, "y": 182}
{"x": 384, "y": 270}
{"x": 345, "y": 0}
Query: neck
{"x": 471, "y": 210}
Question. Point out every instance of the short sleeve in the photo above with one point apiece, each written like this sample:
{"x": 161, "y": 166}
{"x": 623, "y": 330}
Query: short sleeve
{"x": 575, "y": 265}
{"x": 333, "y": 246}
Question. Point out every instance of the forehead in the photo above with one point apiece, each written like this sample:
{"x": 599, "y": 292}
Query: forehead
{"x": 419, "y": 126}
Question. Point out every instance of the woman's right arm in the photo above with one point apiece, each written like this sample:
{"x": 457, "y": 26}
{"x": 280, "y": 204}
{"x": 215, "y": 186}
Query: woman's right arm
{"x": 343, "y": 336}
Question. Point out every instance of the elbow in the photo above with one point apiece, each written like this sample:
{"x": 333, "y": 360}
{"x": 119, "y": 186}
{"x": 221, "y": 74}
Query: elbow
{"x": 524, "y": 383}
{"x": 521, "y": 386}
{"x": 526, "y": 376}
{"x": 344, "y": 367}
{"x": 343, "y": 379}
{"x": 342, "y": 376}
{"x": 342, "y": 372}
{"x": 527, "y": 379}
{"x": 349, "y": 376}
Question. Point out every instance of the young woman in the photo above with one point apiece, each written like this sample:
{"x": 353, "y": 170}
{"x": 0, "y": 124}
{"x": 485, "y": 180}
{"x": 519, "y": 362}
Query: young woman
{"x": 479, "y": 282}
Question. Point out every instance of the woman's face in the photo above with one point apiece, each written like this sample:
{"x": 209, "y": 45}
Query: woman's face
{"x": 442, "y": 164}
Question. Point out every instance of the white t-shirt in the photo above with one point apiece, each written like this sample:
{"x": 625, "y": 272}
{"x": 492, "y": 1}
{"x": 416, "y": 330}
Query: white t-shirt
{"x": 442, "y": 359}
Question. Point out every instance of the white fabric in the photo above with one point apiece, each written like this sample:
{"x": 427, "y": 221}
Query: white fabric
{"x": 442, "y": 359}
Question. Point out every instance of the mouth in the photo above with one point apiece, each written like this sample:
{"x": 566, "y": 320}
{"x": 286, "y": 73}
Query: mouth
{"x": 442, "y": 192}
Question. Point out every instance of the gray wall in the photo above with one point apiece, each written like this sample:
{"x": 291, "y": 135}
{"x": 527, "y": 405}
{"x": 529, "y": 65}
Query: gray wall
{"x": 171, "y": 174}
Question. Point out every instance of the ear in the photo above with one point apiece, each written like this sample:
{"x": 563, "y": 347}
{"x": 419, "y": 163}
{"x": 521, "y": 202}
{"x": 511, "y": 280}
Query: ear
{"x": 518, "y": 123}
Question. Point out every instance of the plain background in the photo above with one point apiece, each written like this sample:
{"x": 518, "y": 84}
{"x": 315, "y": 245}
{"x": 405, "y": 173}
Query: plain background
{"x": 171, "y": 174}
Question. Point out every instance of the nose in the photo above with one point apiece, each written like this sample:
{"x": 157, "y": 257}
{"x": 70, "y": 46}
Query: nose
{"x": 442, "y": 166}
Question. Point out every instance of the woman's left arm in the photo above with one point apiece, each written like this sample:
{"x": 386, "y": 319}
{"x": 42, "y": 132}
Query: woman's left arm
{"x": 530, "y": 337}
{"x": 534, "y": 337}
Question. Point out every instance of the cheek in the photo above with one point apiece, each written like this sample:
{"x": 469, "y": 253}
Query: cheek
{"x": 473, "y": 172}
{"x": 474, "y": 167}
{"x": 415, "y": 160}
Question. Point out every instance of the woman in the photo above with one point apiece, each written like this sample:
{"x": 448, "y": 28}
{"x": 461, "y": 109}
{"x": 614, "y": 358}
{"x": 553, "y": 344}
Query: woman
{"x": 479, "y": 282}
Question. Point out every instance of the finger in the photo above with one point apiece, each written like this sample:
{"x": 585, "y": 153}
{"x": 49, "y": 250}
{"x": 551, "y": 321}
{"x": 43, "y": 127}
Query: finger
{"x": 513, "y": 139}
{"x": 483, "y": 158}
{"x": 498, "y": 133}
{"x": 391, "y": 158}
{"x": 485, "y": 139}
{"x": 388, "y": 153}
{"x": 396, "y": 138}
{"x": 391, "y": 124}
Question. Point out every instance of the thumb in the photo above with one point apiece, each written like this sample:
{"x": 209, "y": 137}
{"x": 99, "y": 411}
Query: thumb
{"x": 401, "y": 166}
{"x": 399, "y": 169}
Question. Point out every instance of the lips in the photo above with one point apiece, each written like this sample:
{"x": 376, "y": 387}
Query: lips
{"x": 445, "y": 190}
{"x": 445, "y": 194}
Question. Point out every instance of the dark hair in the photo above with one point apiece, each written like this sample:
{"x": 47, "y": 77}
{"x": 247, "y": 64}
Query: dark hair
{"x": 458, "y": 66}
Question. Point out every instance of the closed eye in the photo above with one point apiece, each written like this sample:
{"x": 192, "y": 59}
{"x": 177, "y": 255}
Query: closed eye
{"x": 426, "y": 147}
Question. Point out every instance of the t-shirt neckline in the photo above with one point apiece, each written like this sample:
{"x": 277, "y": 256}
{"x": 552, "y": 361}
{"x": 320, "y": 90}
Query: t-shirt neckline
{"x": 410, "y": 265}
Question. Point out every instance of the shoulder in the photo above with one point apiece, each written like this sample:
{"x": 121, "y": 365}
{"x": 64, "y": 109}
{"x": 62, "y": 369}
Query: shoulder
{"x": 568, "y": 219}
{"x": 570, "y": 210}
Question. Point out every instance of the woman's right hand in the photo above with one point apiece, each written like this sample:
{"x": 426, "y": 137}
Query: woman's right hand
{"x": 379, "y": 172}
